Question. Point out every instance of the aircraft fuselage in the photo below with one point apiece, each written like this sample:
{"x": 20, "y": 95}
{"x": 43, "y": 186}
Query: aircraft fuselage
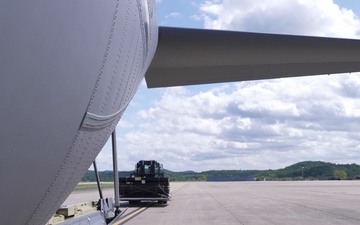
{"x": 69, "y": 70}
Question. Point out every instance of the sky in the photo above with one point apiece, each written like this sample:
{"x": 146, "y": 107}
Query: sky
{"x": 267, "y": 124}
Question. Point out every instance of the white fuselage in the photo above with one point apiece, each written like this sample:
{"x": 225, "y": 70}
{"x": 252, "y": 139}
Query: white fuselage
{"x": 68, "y": 71}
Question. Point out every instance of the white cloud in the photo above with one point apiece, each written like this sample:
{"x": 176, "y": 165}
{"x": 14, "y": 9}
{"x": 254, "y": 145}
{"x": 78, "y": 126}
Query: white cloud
{"x": 173, "y": 15}
{"x": 256, "y": 124}
{"x": 259, "y": 124}
{"x": 311, "y": 17}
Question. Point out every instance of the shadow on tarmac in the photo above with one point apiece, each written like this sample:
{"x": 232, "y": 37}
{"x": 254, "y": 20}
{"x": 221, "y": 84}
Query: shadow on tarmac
{"x": 142, "y": 204}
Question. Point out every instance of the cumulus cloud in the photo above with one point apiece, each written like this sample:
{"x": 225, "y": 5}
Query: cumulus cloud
{"x": 173, "y": 15}
{"x": 311, "y": 17}
{"x": 256, "y": 124}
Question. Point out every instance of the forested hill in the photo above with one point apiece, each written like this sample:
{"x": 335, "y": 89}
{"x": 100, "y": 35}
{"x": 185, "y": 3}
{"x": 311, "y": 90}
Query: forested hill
{"x": 313, "y": 170}
{"x": 303, "y": 170}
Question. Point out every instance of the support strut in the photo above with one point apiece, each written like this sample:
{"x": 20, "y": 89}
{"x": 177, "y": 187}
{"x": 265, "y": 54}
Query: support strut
{"x": 116, "y": 173}
{"x": 97, "y": 180}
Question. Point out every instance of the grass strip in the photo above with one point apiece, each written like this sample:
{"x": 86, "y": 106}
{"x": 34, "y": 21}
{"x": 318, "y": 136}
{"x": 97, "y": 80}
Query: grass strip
{"x": 92, "y": 186}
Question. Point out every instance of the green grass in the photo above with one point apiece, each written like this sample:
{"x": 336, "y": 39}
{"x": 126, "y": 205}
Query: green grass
{"x": 92, "y": 186}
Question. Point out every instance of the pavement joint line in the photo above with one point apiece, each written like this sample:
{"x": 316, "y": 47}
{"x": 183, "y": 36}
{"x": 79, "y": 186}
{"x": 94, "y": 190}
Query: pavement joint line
{"x": 218, "y": 202}
{"x": 173, "y": 192}
{"x": 308, "y": 207}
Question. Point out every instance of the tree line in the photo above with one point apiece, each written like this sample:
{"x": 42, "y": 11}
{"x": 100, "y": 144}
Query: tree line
{"x": 309, "y": 170}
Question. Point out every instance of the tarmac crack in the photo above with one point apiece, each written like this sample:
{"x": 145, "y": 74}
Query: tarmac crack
{"x": 179, "y": 189}
{"x": 224, "y": 207}
{"x": 308, "y": 207}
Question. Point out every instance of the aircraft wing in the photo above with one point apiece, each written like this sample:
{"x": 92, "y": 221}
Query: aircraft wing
{"x": 194, "y": 56}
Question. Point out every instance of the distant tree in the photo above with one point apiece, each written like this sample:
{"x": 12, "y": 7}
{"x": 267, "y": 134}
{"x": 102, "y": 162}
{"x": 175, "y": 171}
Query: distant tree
{"x": 298, "y": 178}
{"x": 313, "y": 170}
{"x": 340, "y": 175}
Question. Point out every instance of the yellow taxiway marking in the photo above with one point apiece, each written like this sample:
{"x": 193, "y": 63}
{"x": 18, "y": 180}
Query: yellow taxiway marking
{"x": 133, "y": 214}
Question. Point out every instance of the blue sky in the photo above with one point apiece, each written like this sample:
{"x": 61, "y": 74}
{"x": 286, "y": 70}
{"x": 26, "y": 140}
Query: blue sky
{"x": 178, "y": 13}
{"x": 265, "y": 124}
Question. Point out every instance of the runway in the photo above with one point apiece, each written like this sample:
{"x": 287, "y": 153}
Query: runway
{"x": 300, "y": 202}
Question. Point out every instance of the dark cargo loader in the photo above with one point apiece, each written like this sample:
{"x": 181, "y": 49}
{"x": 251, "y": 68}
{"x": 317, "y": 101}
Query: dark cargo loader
{"x": 146, "y": 183}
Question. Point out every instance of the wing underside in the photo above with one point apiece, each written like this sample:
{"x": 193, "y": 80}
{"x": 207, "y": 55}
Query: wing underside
{"x": 192, "y": 56}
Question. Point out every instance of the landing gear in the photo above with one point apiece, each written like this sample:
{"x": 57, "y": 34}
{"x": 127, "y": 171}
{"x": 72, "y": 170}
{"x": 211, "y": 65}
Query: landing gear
{"x": 110, "y": 209}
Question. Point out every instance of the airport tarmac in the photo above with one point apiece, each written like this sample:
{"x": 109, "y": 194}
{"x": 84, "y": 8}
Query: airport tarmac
{"x": 271, "y": 202}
